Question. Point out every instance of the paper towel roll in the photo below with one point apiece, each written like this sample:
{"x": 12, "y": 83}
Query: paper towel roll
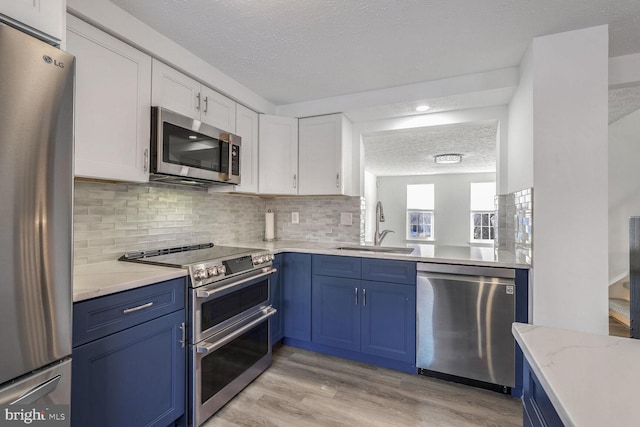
{"x": 268, "y": 226}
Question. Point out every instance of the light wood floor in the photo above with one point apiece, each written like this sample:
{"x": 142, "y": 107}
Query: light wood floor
{"x": 618, "y": 329}
{"x": 303, "y": 388}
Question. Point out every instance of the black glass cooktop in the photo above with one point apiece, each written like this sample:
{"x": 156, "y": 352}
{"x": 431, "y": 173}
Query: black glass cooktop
{"x": 183, "y": 256}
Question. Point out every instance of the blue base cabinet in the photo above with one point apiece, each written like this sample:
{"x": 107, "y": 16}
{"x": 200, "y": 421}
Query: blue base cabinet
{"x": 388, "y": 320}
{"x": 538, "y": 411}
{"x": 368, "y": 320}
{"x": 296, "y": 297}
{"x": 335, "y": 319}
{"x": 135, "y": 376}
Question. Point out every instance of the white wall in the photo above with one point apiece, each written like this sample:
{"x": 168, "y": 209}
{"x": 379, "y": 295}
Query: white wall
{"x": 451, "y": 211}
{"x": 624, "y": 190}
{"x": 570, "y": 248}
{"x": 519, "y": 166}
{"x": 371, "y": 199}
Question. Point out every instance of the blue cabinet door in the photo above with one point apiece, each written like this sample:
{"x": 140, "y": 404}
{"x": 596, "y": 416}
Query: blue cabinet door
{"x": 389, "y": 320}
{"x": 336, "y": 312}
{"x": 296, "y": 304}
{"x": 135, "y": 377}
{"x": 276, "y": 321}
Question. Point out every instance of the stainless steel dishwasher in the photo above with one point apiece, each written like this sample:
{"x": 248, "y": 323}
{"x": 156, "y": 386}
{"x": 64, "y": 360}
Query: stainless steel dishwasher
{"x": 464, "y": 317}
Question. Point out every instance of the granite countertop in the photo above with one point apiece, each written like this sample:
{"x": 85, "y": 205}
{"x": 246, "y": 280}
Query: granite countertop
{"x": 104, "y": 278}
{"x": 462, "y": 255}
{"x": 590, "y": 379}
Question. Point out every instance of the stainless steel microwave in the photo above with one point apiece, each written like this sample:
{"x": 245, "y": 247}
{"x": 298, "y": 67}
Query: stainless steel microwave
{"x": 187, "y": 151}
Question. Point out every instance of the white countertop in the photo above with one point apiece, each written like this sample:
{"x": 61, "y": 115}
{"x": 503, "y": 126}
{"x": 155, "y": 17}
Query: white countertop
{"x": 94, "y": 280}
{"x": 461, "y": 255}
{"x": 104, "y": 278}
{"x": 591, "y": 379}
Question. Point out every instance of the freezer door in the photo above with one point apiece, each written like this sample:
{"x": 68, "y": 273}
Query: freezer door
{"x": 464, "y": 326}
{"x": 49, "y": 387}
{"x": 36, "y": 155}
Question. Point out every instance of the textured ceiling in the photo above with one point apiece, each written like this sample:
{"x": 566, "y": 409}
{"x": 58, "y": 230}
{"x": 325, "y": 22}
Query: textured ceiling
{"x": 292, "y": 51}
{"x": 622, "y": 102}
{"x": 410, "y": 152}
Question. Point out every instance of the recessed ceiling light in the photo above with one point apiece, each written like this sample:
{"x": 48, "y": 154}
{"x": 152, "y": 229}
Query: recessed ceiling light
{"x": 422, "y": 108}
{"x": 446, "y": 159}
{"x": 193, "y": 137}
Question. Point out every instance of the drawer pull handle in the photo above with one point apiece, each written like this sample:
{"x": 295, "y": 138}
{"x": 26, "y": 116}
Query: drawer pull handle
{"x": 138, "y": 308}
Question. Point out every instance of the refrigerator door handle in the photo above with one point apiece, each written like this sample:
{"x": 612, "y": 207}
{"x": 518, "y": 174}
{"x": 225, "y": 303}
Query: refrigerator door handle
{"x": 38, "y": 391}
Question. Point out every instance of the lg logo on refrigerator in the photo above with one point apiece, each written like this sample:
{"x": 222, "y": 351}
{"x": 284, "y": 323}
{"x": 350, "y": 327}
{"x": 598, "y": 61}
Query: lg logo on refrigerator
{"x": 50, "y": 60}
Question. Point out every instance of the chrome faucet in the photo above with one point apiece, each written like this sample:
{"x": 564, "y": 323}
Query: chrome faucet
{"x": 379, "y": 236}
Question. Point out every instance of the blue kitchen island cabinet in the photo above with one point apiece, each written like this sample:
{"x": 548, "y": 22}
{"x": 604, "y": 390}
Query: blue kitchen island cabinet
{"x": 132, "y": 373}
{"x": 296, "y": 297}
{"x": 374, "y": 320}
{"x": 276, "y": 322}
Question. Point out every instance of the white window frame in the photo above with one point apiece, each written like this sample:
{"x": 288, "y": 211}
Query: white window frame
{"x": 432, "y": 225}
{"x": 472, "y": 228}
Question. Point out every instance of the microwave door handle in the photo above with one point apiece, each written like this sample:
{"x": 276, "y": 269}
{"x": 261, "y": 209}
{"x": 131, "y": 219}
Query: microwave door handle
{"x": 230, "y": 164}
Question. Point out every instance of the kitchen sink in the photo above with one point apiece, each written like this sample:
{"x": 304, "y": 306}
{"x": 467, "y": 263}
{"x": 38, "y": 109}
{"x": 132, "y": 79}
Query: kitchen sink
{"x": 386, "y": 249}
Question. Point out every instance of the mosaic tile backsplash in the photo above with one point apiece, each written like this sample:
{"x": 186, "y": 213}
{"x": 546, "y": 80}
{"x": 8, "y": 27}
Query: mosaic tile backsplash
{"x": 113, "y": 218}
{"x": 515, "y": 224}
{"x": 319, "y": 218}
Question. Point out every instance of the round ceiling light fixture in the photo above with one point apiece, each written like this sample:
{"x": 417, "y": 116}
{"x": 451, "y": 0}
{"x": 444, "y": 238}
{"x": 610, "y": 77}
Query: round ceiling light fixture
{"x": 447, "y": 159}
{"x": 422, "y": 108}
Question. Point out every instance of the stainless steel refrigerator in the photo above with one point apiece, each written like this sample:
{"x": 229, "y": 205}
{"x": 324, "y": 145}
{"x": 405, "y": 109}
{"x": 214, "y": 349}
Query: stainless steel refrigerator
{"x": 36, "y": 186}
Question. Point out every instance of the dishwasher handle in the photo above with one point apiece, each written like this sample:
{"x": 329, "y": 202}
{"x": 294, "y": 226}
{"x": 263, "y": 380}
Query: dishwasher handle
{"x": 467, "y": 279}
{"x": 466, "y": 270}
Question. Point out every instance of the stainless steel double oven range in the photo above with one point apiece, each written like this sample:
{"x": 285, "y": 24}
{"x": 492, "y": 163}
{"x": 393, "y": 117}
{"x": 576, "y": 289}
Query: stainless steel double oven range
{"x": 228, "y": 322}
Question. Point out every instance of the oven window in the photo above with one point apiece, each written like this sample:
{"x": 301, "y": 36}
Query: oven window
{"x": 225, "y": 307}
{"x": 228, "y": 362}
{"x": 184, "y": 147}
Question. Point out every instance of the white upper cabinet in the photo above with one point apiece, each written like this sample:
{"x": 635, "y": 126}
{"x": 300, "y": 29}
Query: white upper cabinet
{"x": 247, "y": 129}
{"x": 174, "y": 91}
{"x": 278, "y": 155}
{"x": 112, "y": 105}
{"x": 44, "y": 16}
{"x": 184, "y": 95}
{"x": 218, "y": 110}
{"x": 325, "y": 155}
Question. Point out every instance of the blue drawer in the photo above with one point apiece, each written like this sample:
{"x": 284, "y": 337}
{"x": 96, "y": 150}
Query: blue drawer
{"x": 99, "y": 317}
{"x": 387, "y": 270}
{"x": 336, "y": 266}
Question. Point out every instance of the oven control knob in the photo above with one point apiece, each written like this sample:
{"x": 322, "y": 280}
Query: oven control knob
{"x": 200, "y": 274}
{"x": 212, "y": 271}
{"x": 222, "y": 269}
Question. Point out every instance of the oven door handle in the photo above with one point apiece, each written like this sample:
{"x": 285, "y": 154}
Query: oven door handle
{"x": 203, "y": 293}
{"x": 268, "y": 312}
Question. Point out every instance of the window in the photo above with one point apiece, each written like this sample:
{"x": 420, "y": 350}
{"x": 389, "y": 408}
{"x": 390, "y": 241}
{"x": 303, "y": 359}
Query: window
{"x": 420, "y": 202}
{"x": 483, "y": 214}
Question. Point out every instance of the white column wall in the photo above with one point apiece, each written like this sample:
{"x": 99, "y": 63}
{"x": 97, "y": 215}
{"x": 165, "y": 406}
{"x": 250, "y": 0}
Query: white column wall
{"x": 570, "y": 248}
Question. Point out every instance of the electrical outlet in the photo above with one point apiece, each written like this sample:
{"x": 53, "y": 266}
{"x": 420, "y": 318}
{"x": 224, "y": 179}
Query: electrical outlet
{"x": 346, "y": 218}
{"x": 295, "y": 218}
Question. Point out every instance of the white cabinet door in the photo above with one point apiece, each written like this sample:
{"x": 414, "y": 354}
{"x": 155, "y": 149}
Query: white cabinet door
{"x": 247, "y": 129}
{"x": 278, "y": 155}
{"x": 175, "y": 91}
{"x": 218, "y": 110}
{"x": 324, "y": 156}
{"x": 112, "y": 105}
{"x": 46, "y": 16}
